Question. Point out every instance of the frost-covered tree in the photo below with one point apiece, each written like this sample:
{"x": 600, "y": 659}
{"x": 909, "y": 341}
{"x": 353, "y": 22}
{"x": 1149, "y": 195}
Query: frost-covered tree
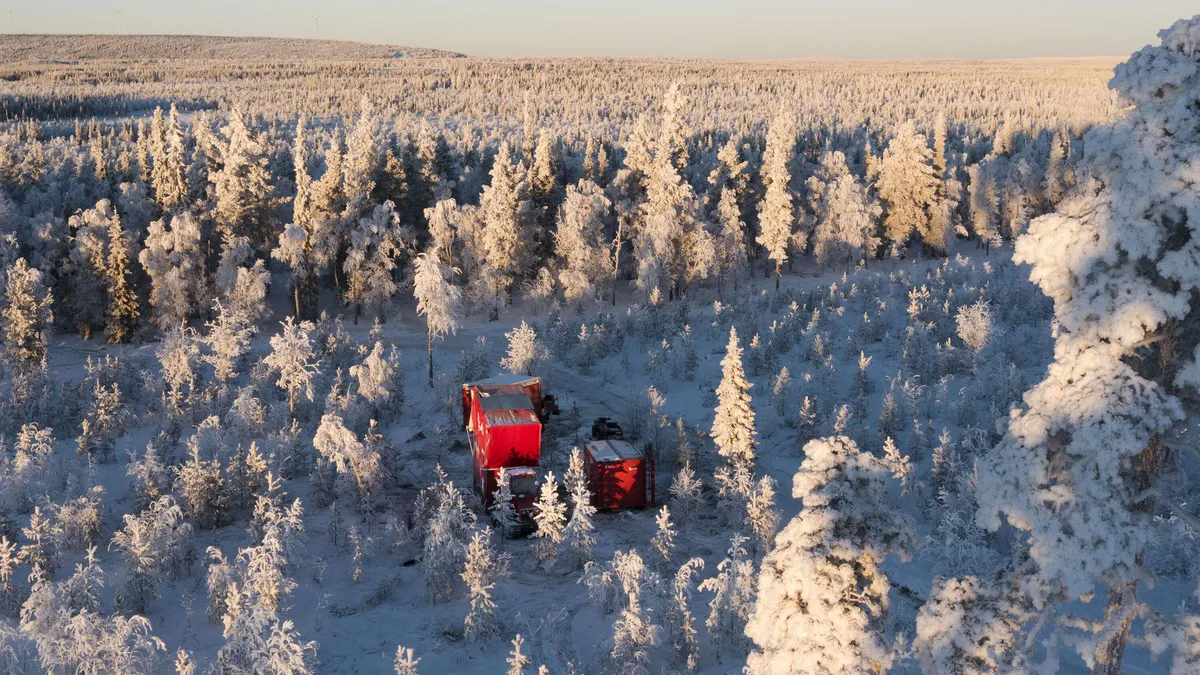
{"x": 242, "y": 187}
{"x": 27, "y": 317}
{"x": 580, "y": 242}
{"x": 228, "y": 340}
{"x": 308, "y": 246}
{"x": 525, "y": 354}
{"x": 733, "y": 425}
{"x": 72, "y": 636}
{"x": 375, "y": 244}
{"x": 352, "y": 457}
{"x": 508, "y": 215}
{"x": 550, "y": 514}
{"x": 293, "y": 360}
{"x": 446, "y": 529}
{"x": 822, "y": 595}
{"x": 154, "y": 543}
{"x": 202, "y": 487}
{"x": 379, "y": 379}
{"x": 776, "y": 213}
{"x": 733, "y": 597}
{"x": 483, "y": 565}
{"x": 845, "y": 212}
{"x": 1081, "y": 468}
{"x": 730, "y": 239}
{"x": 663, "y": 542}
{"x": 634, "y": 632}
{"x": 685, "y": 649}
{"x": 179, "y": 355}
{"x": 437, "y": 299}
{"x": 503, "y": 511}
{"x": 673, "y": 247}
{"x": 578, "y": 537}
{"x": 173, "y": 259}
{"x": 169, "y": 174}
{"x": 517, "y": 661}
{"x": 241, "y": 280}
{"x": 405, "y": 663}
{"x": 908, "y": 187}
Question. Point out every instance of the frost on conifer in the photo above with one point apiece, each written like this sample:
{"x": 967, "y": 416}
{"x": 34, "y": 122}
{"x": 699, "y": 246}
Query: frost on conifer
{"x": 822, "y": 595}
{"x": 550, "y": 514}
{"x": 1120, "y": 263}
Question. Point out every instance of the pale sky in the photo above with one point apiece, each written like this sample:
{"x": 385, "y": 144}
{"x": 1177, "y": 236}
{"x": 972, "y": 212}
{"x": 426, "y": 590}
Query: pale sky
{"x": 732, "y": 29}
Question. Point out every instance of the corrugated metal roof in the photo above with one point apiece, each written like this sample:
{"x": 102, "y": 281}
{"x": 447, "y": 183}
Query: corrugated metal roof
{"x": 504, "y": 379}
{"x": 508, "y": 417}
{"x": 505, "y": 402}
{"x": 613, "y": 451}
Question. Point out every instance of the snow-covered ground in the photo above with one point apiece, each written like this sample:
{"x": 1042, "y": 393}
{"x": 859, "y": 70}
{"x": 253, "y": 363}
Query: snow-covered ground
{"x": 903, "y": 320}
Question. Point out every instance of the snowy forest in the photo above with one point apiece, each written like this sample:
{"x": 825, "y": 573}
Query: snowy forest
{"x": 914, "y": 348}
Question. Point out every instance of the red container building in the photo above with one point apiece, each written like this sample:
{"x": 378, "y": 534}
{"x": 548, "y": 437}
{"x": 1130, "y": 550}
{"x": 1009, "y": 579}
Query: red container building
{"x": 619, "y": 475}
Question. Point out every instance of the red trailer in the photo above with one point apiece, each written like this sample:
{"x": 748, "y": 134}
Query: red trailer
{"x": 619, "y": 475}
{"x": 502, "y": 416}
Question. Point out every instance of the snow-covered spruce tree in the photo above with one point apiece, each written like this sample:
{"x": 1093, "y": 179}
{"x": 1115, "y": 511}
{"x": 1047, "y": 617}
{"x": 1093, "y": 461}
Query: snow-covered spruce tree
{"x": 525, "y": 354}
{"x": 27, "y": 317}
{"x": 822, "y": 595}
{"x": 351, "y": 457}
{"x": 228, "y": 340}
{"x": 635, "y": 634}
{"x": 308, "y": 245}
{"x": 776, "y": 213}
{"x": 443, "y": 219}
{"x": 380, "y": 382}
{"x": 663, "y": 542}
{"x": 1081, "y": 467}
{"x": 733, "y": 430}
{"x": 242, "y": 187}
{"x": 64, "y": 619}
{"x": 846, "y": 214}
{"x": 155, "y": 544}
{"x": 179, "y": 356}
{"x": 508, "y": 216}
{"x": 293, "y": 360}
{"x": 168, "y": 175}
{"x": 550, "y": 514}
{"x": 517, "y": 662}
{"x": 11, "y": 555}
{"x": 103, "y": 423}
{"x": 362, "y": 159}
{"x": 733, "y": 597}
{"x": 175, "y": 263}
{"x": 580, "y": 242}
{"x": 241, "y": 280}
{"x": 150, "y": 475}
{"x": 578, "y": 539}
{"x": 730, "y": 239}
{"x": 972, "y": 626}
{"x": 376, "y": 243}
{"x": 405, "y": 663}
{"x": 673, "y": 248}
{"x": 437, "y": 299}
{"x": 445, "y": 531}
{"x": 503, "y": 511}
{"x": 482, "y": 566}
{"x": 685, "y": 650}
{"x": 686, "y": 496}
{"x": 202, "y": 487}
{"x": 122, "y": 312}
{"x": 908, "y": 187}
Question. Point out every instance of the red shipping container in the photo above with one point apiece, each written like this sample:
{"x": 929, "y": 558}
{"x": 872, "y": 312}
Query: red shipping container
{"x": 619, "y": 475}
{"x": 504, "y": 432}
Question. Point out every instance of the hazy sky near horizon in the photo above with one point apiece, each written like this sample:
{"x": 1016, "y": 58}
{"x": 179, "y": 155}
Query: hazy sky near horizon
{"x": 732, "y": 29}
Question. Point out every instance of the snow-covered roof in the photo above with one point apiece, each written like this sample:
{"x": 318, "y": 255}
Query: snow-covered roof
{"x": 503, "y": 379}
{"x": 612, "y": 450}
